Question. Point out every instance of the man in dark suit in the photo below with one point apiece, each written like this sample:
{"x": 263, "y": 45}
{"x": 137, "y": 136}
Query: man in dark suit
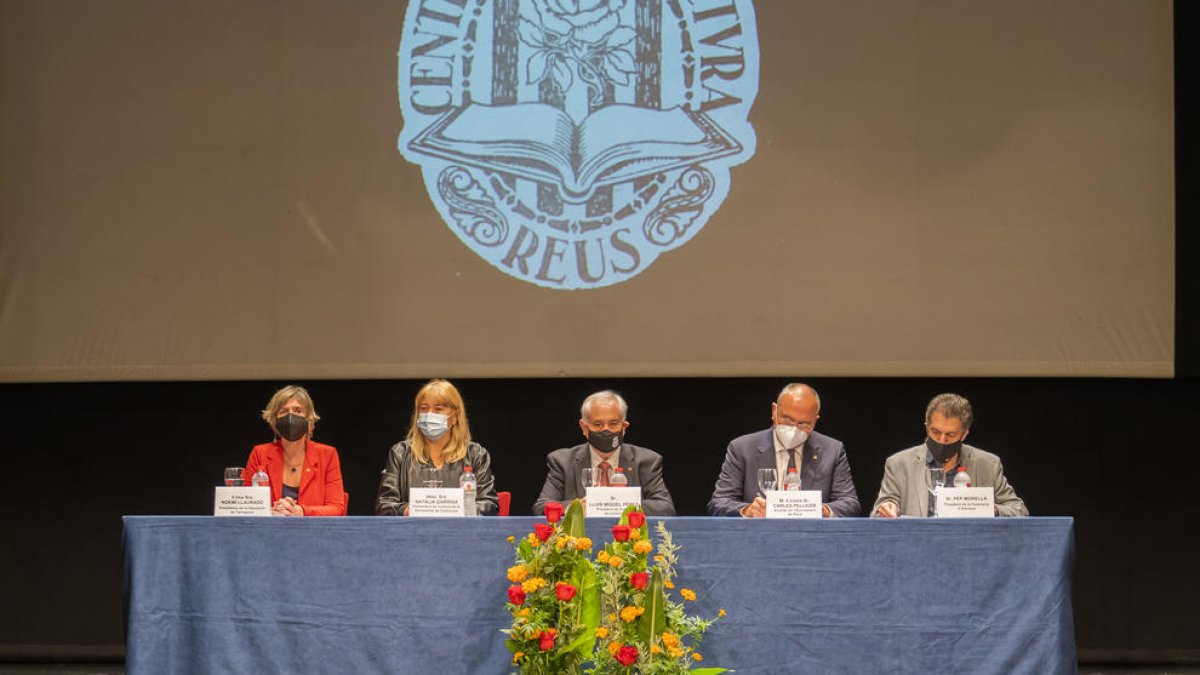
{"x": 790, "y": 442}
{"x": 602, "y": 421}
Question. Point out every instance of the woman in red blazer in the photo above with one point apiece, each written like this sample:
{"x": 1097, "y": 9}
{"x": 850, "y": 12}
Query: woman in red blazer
{"x": 306, "y": 477}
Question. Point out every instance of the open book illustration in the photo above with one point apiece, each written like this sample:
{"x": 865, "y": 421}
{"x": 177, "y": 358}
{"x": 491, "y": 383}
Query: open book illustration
{"x": 613, "y": 144}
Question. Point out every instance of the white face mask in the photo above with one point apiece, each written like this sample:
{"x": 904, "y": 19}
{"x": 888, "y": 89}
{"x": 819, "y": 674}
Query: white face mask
{"x": 790, "y": 436}
{"x": 433, "y": 425}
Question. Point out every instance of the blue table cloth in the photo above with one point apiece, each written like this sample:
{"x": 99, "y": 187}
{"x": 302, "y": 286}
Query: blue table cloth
{"x": 403, "y": 595}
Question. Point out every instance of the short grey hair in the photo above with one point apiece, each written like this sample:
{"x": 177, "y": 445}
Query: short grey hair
{"x": 585, "y": 411}
{"x": 799, "y": 390}
{"x": 951, "y": 406}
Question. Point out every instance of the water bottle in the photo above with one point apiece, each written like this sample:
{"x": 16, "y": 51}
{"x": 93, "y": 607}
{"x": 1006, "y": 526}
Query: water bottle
{"x": 618, "y": 478}
{"x": 791, "y": 481}
{"x": 469, "y": 485}
{"x": 962, "y": 478}
{"x": 260, "y": 478}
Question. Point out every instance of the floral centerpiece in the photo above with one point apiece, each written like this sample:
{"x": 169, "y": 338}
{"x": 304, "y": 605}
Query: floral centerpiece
{"x": 625, "y": 617}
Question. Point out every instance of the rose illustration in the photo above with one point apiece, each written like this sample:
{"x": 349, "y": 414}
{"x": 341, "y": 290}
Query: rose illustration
{"x": 587, "y": 21}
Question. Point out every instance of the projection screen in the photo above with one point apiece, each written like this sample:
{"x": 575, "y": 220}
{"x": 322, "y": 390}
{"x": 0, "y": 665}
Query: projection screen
{"x": 249, "y": 189}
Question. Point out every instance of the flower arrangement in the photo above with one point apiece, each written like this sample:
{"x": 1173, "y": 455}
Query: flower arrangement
{"x": 625, "y": 618}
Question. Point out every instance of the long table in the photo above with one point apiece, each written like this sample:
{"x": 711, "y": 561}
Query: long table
{"x": 405, "y": 595}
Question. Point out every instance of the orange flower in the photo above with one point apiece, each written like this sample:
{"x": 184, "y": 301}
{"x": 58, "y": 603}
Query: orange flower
{"x": 517, "y": 657}
{"x": 675, "y": 652}
{"x": 635, "y": 534}
{"x": 602, "y": 557}
{"x": 655, "y": 649}
{"x": 583, "y": 543}
{"x": 659, "y": 558}
{"x": 511, "y": 539}
{"x": 669, "y": 584}
{"x": 670, "y": 639}
{"x": 532, "y": 584}
{"x": 630, "y": 613}
{"x": 720, "y": 612}
{"x": 516, "y": 573}
{"x": 687, "y": 594}
{"x": 615, "y": 561}
{"x": 642, "y": 547}
{"x": 614, "y": 647}
{"x": 601, "y": 632}
{"x": 697, "y": 657}
{"x": 612, "y": 618}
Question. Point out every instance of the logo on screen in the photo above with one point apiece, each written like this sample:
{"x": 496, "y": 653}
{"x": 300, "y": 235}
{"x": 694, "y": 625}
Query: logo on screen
{"x": 571, "y": 142}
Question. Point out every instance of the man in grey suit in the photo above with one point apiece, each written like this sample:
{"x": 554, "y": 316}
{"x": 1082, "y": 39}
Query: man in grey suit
{"x": 790, "y": 442}
{"x": 603, "y": 423}
{"x": 905, "y": 489}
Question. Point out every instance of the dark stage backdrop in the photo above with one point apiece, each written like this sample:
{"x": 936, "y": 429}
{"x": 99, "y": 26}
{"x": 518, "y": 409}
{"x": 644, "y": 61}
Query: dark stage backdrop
{"x": 1111, "y": 453}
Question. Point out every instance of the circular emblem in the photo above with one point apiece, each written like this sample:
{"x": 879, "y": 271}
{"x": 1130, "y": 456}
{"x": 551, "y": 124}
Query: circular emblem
{"x": 571, "y": 142}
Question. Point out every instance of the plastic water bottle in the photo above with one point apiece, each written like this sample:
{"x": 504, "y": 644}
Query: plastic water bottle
{"x": 618, "y": 478}
{"x": 469, "y": 485}
{"x": 260, "y": 479}
{"x": 791, "y": 481}
{"x": 962, "y": 478}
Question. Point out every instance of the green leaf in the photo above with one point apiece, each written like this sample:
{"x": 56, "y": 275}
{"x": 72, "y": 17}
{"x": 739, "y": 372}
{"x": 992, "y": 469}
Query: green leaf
{"x": 653, "y": 621}
{"x": 572, "y": 522}
{"x": 586, "y": 606}
{"x": 709, "y": 671}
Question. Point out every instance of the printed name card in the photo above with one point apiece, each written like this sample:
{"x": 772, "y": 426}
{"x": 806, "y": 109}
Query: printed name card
{"x": 610, "y": 502}
{"x": 242, "y": 501}
{"x": 966, "y": 502}
{"x": 793, "y": 503}
{"x": 435, "y": 501}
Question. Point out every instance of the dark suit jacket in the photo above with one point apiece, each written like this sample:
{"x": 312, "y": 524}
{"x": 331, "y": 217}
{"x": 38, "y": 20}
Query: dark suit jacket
{"x": 642, "y": 467}
{"x": 823, "y": 468}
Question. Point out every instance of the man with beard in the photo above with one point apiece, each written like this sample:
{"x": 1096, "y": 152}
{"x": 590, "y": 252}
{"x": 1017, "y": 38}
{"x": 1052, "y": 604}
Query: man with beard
{"x": 905, "y": 490}
{"x": 602, "y": 421}
{"x": 790, "y": 443}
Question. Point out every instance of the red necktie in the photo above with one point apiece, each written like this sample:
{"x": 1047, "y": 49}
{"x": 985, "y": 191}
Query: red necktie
{"x": 604, "y": 467}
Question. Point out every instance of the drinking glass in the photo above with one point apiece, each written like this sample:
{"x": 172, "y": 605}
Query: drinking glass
{"x": 586, "y": 476}
{"x": 937, "y": 479}
{"x": 766, "y": 480}
{"x": 233, "y": 476}
{"x": 431, "y": 477}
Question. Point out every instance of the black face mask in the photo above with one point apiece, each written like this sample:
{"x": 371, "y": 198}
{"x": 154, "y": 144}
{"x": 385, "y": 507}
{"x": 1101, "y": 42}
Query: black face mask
{"x": 942, "y": 451}
{"x": 291, "y": 427}
{"x": 605, "y": 441}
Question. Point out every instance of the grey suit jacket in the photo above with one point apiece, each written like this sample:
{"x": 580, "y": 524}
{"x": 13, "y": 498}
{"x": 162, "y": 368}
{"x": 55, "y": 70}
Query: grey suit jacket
{"x": 906, "y": 481}
{"x": 643, "y": 468}
{"x": 824, "y": 467}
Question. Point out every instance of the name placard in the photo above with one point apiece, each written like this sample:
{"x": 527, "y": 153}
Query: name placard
{"x": 242, "y": 501}
{"x": 610, "y": 502}
{"x": 424, "y": 502}
{"x": 966, "y": 502}
{"x": 793, "y": 503}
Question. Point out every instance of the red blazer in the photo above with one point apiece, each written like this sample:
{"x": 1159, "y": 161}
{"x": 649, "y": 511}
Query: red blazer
{"x": 321, "y": 491}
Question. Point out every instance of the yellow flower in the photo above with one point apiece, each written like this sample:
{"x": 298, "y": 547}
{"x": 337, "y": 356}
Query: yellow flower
{"x": 655, "y": 649}
{"x": 532, "y": 584}
{"x": 659, "y": 558}
{"x": 615, "y": 561}
{"x": 533, "y": 540}
{"x": 517, "y": 657}
{"x": 687, "y": 594}
{"x": 669, "y": 584}
{"x": 614, "y": 647}
{"x": 511, "y": 539}
{"x": 670, "y": 639}
{"x": 630, "y": 613}
{"x": 583, "y": 543}
{"x": 612, "y": 618}
{"x": 720, "y": 612}
{"x": 602, "y": 557}
{"x": 560, "y": 543}
{"x": 675, "y": 652}
{"x": 642, "y": 547}
{"x": 516, "y": 574}
{"x": 635, "y": 534}
{"x": 697, "y": 657}
{"x": 601, "y": 632}
{"x": 524, "y": 612}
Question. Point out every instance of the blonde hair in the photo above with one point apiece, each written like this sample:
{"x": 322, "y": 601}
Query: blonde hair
{"x": 281, "y": 398}
{"x": 441, "y": 391}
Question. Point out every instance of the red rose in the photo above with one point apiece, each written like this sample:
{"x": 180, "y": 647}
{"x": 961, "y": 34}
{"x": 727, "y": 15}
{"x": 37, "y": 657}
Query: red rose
{"x": 554, "y": 512}
{"x": 627, "y": 655}
{"x": 516, "y": 594}
{"x": 637, "y": 518}
{"x": 638, "y": 580}
{"x": 565, "y": 591}
{"x": 621, "y": 532}
{"x": 547, "y": 639}
{"x": 543, "y": 531}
